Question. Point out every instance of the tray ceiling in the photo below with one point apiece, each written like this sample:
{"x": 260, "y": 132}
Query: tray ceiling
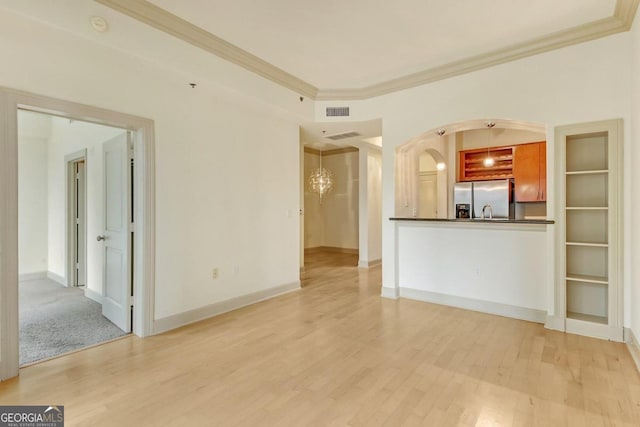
{"x": 339, "y": 49}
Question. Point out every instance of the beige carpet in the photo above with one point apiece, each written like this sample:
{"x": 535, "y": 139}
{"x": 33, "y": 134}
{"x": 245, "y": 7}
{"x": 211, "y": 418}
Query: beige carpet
{"x": 55, "y": 320}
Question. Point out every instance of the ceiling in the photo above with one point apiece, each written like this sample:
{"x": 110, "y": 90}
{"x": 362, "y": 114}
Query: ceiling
{"x": 353, "y": 50}
{"x": 339, "y": 49}
{"x": 348, "y": 44}
{"x": 336, "y": 49}
{"x": 315, "y": 135}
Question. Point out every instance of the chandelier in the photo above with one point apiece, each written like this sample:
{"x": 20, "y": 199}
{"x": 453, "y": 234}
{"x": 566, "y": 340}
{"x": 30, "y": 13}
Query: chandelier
{"x": 320, "y": 180}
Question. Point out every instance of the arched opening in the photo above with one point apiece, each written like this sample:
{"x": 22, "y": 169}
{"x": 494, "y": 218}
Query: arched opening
{"x": 432, "y": 185}
{"x": 428, "y": 166}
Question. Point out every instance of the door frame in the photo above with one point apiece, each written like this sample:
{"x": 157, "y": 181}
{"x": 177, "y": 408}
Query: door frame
{"x": 421, "y": 175}
{"x": 144, "y": 210}
{"x": 70, "y": 160}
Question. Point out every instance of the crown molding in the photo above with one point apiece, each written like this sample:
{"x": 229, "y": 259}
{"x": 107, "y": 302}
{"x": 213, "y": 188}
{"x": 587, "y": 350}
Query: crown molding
{"x": 344, "y": 150}
{"x": 148, "y": 13}
{"x": 621, "y": 21}
{"x": 171, "y": 24}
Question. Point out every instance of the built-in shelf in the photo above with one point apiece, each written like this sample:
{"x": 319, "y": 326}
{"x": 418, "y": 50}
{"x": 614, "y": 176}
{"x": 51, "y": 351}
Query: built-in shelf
{"x": 586, "y": 208}
{"x": 588, "y": 279}
{"x": 594, "y": 245}
{"x": 488, "y": 169}
{"x": 587, "y": 317}
{"x": 477, "y": 160}
{"x": 472, "y": 164}
{"x": 588, "y": 172}
{"x": 588, "y": 245}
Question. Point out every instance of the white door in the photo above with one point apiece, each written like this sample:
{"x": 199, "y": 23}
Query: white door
{"x": 80, "y": 226}
{"x": 116, "y": 305}
{"x": 428, "y": 202}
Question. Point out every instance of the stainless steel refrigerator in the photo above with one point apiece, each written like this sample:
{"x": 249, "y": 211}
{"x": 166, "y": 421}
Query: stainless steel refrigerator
{"x": 495, "y": 197}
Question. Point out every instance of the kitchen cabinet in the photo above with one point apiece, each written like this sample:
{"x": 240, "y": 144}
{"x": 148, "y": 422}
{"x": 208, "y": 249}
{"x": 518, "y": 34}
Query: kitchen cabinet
{"x": 530, "y": 172}
{"x": 472, "y": 168}
{"x": 589, "y": 269}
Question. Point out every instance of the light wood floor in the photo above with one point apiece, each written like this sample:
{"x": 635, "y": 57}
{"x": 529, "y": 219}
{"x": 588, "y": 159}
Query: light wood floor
{"x": 335, "y": 354}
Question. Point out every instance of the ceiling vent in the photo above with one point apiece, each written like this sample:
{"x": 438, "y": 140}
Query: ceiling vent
{"x": 337, "y": 111}
{"x": 343, "y": 135}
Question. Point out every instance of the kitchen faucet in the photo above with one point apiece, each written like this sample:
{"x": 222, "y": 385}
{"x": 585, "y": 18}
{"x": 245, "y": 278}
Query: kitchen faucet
{"x": 490, "y": 211}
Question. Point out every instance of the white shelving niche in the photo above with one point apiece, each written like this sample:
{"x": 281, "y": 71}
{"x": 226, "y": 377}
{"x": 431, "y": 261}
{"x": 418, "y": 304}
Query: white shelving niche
{"x": 589, "y": 239}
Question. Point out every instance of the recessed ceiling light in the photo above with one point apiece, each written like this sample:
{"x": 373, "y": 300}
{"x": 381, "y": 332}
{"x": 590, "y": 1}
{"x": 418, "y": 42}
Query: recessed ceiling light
{"x": 99, "y": 24}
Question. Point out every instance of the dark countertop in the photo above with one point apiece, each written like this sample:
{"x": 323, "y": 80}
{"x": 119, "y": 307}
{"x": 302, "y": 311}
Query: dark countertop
{"x": 479, "y": 221}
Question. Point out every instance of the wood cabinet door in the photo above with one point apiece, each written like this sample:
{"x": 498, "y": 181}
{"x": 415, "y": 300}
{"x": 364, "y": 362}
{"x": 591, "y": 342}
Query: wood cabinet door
{"x": 543, "y": 171}
{"x": 526, "y": 172}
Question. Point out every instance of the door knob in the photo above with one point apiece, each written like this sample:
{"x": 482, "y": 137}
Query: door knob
{"x": 100, "y": 238}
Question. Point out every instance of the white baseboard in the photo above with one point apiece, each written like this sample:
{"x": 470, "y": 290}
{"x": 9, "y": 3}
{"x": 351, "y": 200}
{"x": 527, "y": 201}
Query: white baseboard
{"x": 93, "y": 295}
{"x": 555, "y": 323}
{"x": 335, "y": 249}
{"x": 490, "y": 307}
{"x": 192, "y": 316}
{"x": 391, "y": 293}
{"x": 38, "y": 275}
{"x": 633, "y": 346}
{"x": 366, "y": 264}
{"x": 56, "y": 278}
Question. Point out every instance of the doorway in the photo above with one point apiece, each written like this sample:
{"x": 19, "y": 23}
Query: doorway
{"x": 77, "y": 218}
{"x": 428, "y": 195}
{"x": 81, "y": 297}
{"x": 143, "y": 183}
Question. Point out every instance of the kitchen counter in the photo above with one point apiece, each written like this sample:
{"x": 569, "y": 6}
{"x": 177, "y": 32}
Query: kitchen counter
{"x": 478, "y": 221}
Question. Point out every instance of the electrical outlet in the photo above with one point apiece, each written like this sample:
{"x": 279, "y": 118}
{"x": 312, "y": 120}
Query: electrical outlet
{"x": 214, "y": 273}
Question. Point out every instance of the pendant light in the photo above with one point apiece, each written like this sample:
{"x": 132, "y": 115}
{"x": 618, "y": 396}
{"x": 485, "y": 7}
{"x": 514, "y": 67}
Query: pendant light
{"x": 489, "y": 161}
{"x": 321, "y": 180}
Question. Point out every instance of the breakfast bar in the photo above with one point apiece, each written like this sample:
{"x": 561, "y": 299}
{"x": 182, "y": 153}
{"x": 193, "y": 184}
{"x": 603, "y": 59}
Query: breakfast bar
{"x": 502, "y": 267}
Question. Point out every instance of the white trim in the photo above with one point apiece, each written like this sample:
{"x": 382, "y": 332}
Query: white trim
{"x": 363, "y": 263}
{"x": 555, "y": 323}
{"x": 56, "y": 278}
{"x": 588, "y": 329}
{"x": 37, "y": 275}
{"x": 215, "y": 309}
{"x": 9, "y": 351}
{"x": 391, "y": 293}
{"x": 93, "y": 295}
{"x": 144, "y": 186}
{"x": 506, "y": 310}
{"x": 171, "y": 24}
{"x": 162, "y": 20}
{"x": 613, "y": 128}
{"x": 633, "y": 346}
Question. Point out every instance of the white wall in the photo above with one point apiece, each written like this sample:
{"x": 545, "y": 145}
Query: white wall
{"x": 33, "y": 135}
{"x": 313, "y": 212}
{"x": 68, "y": 137}
{"x": 560, "y": 87}
{"x": 334, "y": 223}
{"x": 210, "y": 137}
{"x": 374, "y": 205}
{"x": 341, "y": 204}
{"x": 226, "y": 164}
{"x": 632, "y": 298}
{"x": 581, "y": 83}
{"x": 497, "y": 263}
